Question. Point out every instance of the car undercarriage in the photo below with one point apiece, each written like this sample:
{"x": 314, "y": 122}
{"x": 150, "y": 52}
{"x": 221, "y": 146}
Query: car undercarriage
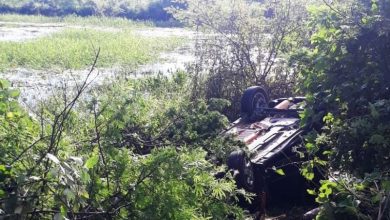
{"x": 271, "y": 131}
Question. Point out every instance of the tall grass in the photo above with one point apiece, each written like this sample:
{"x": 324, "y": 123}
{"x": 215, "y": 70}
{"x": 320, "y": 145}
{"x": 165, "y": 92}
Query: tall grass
{"x": 74, "y": 49}
{"x": 76, "y": 20}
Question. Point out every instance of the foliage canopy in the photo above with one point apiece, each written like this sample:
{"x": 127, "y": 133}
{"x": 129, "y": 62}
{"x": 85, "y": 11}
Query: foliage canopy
{"x": 346, "y": 77}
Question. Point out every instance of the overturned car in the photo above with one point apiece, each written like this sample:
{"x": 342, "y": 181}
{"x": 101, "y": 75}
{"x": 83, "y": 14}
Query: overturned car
{"x": 272, "y": 134}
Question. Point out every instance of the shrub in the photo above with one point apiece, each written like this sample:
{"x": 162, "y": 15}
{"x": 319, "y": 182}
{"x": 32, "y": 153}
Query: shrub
{"x": 346, "y": 76}
{"x": 138, "y": 150}
{"x": 244, "y": 46}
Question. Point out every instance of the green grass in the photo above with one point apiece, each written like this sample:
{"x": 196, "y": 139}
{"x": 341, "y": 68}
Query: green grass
{"x": 74, "y": 49}
{"x": 76, "y": 20}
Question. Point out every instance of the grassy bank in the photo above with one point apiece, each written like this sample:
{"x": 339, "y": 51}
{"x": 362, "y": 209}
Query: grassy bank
{"x": 74, "y": 49}
{"x": 76, "y": 20}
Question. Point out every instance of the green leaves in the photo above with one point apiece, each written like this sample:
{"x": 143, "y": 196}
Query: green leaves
{"x": 69, "y": 194}
{"x": 373, "y": 111}
{"x": 311, "y": 192}
{"x": 14, "y": 93}
{"x": 307, "y": 170}
{"x": 308, "y": 174}
{"x": 325, "y": 191}
{"x": 385, "y": 185}
{"x": 347, "y": 87}
{"x": 374, "y": 6}
{"x": 377, "y": 140}
{"x": 184, "y": 178}
{"x": 278, "y": 171}
{"x": 153, "y": 156}
{"x": 329, "y": 118}
{"x": 92, "y": 161}
{"x": 4, "y": 84}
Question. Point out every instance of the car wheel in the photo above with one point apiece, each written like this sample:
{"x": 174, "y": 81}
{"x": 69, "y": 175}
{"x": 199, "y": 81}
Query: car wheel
{"x": 253, "y": 98}
{"x": 237, "y": 161}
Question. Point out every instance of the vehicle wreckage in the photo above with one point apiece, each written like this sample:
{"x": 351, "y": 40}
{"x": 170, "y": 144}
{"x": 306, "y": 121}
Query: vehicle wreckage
{"x": 272, "y": 133}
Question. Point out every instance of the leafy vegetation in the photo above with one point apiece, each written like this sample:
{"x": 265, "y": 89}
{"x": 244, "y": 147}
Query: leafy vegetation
{"x": 76, "y": 20}
{"x": 150, "y": 148}
{"x": 130, "y": 9}
{"x": 336, "y": 52}
{"x": 141, "y": 150}
{"x": 346, "y": 79}
{"x": 72, "y": 49}
{"x": 248, "y": 45}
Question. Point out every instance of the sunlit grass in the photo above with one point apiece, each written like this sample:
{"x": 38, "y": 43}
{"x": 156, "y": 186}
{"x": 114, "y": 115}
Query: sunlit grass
{"x": 75, "y": 48}
{"x": 75, "y": 20}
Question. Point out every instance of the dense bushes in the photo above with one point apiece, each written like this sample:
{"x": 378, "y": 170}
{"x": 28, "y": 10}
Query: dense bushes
{"x": 245, "y": 46}
{"x": 346, "y": 77}
{"x": 142, "y": 149}
{"x": 138, "y": 150}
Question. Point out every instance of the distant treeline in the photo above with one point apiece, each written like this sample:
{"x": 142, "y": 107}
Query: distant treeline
{"x": 131, "y": 9}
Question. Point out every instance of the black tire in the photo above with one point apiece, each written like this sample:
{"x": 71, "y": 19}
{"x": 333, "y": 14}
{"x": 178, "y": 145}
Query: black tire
{"x": 253, "y": 97}
{"x": 237, "y": 161}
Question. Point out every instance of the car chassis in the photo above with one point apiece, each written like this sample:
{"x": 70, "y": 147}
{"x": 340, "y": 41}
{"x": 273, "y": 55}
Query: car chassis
{"x": 271, "y": 132}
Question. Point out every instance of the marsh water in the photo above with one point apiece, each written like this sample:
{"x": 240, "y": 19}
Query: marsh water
{"x": 36, "y": 85}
